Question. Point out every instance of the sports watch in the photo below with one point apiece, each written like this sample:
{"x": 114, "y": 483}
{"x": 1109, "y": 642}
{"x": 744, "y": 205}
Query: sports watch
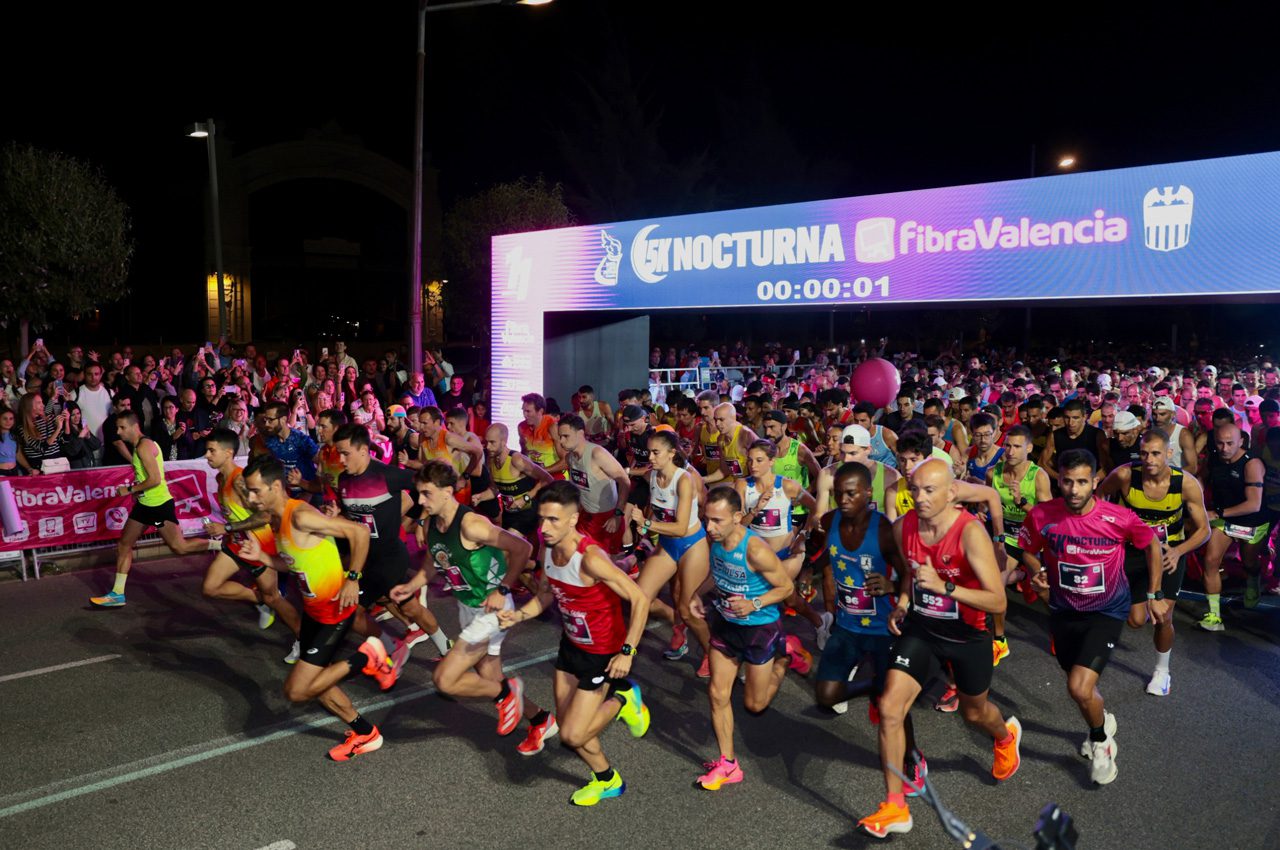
{"x": 950, "y": 587}
{"x": 1158, "y": 595}
{"x": 352, "y": 575}
{"x": 627, "y": 649}
{"x": 503, "y": 589}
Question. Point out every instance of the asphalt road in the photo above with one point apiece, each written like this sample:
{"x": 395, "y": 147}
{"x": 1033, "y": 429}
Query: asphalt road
{"x": 173, "y": 733}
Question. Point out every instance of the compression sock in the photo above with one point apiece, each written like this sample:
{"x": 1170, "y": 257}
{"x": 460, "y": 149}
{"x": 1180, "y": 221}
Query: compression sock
{"x": 441, "y": 642}
{"x": 1162, "y": 661}
{"x": 604, "y": 775}
{"x": 121, "y": 578}
{"x": 1215, "y": 603}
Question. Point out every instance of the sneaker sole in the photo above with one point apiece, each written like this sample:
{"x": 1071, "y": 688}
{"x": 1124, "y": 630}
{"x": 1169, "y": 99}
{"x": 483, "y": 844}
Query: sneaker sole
{"x": 717, "y": 786}
{"x": 550, "y": 733}
{"x": 607, "y": 795}
{"x": 372, "y": 746}
{"x": 1109, "y": 778}
{"x": 901, "y": 828}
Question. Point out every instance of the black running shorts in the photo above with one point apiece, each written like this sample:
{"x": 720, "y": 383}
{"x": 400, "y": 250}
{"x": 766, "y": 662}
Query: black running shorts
{"x": 1084, "y": 639}
{"x": 922, "y": 656}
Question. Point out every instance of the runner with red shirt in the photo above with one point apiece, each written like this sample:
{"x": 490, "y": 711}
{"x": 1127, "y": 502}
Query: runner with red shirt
{"x": 943, "y": 600}
{"x": 598, "y": 643}
{"x": 1073, "y": 546}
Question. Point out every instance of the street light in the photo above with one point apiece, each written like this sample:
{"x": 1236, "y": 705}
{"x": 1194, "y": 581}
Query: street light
{"x": 208, "y": 132}
{"x": 415, "y": 273}
{"x": 1066, "y": 161}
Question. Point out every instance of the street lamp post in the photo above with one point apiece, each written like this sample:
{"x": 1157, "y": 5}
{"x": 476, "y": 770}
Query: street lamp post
{"x": 415, "y": 271}
{"x": 208, "y": 132}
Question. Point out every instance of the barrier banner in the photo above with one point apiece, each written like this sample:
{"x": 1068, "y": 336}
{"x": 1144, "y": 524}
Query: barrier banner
{"x": 81, "y": 506}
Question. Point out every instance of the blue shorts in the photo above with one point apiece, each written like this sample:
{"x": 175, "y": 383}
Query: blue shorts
{"x": 756, "y": 645}
{"x": 677, "y": 546}
{"x": 845, "y": 650}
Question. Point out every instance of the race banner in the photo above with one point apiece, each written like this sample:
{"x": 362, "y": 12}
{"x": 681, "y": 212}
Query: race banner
{"x": 82, "y": 506}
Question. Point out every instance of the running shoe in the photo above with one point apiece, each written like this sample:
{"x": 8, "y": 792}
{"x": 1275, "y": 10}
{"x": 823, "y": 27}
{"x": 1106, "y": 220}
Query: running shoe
{"x": 356, "y": 745}
{"x": 704, "y": 669}
{"x": 999, "y": 651}
{"x": 1029, "y": 593}
{"x": 719, "y": 773}
{"x": 595, "y": 791}
{"x": 679, "y": 647}
{"x": 511, "y": 708}
{"x": 1103, "y": 770}
{"x": 1108, "y": 726}
{"x": 380, "y": 613}
{"x": 110, "y": 600}
{"x": 949, "y": 702}
{"x": 1211, "y": 622}
{"x": 1008, "y": 756}
{"x": 801, "y": 660}
{"x": 538, "y": 734}
{"x": 400, "y": 655}
{"x": 1160, "y": 683}
{"x": 294, "y": 654}
{"x": 841, "y": 707}
{"x": 380, "y": 666}
{"x": 266, "y": 617}
{"x": 918, "y": 775}
{"x": 634, "y": 712}
{"x": 889, "y": 818}
{"x": 823, "y": 632}
{"x": 1252, "y": 592}
{"x": 873, "y": 712}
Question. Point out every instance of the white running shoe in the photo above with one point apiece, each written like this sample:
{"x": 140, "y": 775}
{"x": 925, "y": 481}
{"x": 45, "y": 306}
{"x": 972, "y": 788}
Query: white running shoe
{"x": 840, "y": 707}
{"x": 294, "y": 654}
{"x": 1108, "y": 726}
{"x": 1160, "y": 683}
{"x": 265, "y": 616}
{"x": 1103, "y": 770}
{"x": 824, "y": 630}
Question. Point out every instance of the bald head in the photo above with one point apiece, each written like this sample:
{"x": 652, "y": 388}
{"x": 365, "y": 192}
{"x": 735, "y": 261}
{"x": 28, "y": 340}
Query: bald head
{"x": 495, "y": 439}
{"x": 1228, "y": 440}
{"x": 725, "y": 417}
{"x": 934, "y": 470}
{"x": 932, "y": 487}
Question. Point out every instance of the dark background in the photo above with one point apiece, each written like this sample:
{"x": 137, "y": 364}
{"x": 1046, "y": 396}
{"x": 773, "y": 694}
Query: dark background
{"x": 639, "y": 108}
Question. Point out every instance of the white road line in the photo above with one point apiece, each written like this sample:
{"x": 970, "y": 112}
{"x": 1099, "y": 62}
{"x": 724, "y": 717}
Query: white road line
{"x": 10, "y": 677}
{"x": 57, "y": 792}
{"x": 284, "y": 844}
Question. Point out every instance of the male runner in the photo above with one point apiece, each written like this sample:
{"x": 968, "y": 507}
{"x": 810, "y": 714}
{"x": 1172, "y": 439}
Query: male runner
{"x": 153, "y": 507}
{"x": 745, "y": 625}
{"x": 855, "y": 445}
{"x": 884, "y": 443}
{"x": 1076, "y": 435}
{"x": 481, "y": 563}
{"x": 708, "y": 436}
{"x": 984, "y": 454}
{"x": 1182, "y": 441}
{"x": 517, "y": 480}
{"x": 376, "y": 495}
{"x": 1123, "y": 447}
{"x": 602, "y": 483}
{"x": 598, "y": 644}
{"x": 406, "y": 443}
{"x": 953, "y": 430}
{"x": 537, "y": 433}
{"x": 734, "y": 439}
{"x": 793, "y": 460}
{"x": 596, "y": 414}
{"x": 305, "y": 541}
{"x": 1237, "y": 515}
{"x": 233, "y": 498}
{"x": 439, "y": 442}
{"x": 1082, "y": 541}
{"x": 633, "y": 441}
{"x": 941, "y": 616}
{"x": 1171, "y": 502}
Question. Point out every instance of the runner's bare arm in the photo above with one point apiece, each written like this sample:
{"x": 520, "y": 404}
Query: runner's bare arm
{"x": 609, "y": 467}
{"x": 811, "y": 464}
{"x": 1115, "y": 483}
{"x": 597, "y": 564}
{"x": 798, "y": 495}
{"x": 478, "y": 531}
{"x": 967, "y": 493}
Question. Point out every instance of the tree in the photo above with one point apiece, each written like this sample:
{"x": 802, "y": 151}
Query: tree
{"x": 514, "y": 207}
{"x": 65, "y": 241}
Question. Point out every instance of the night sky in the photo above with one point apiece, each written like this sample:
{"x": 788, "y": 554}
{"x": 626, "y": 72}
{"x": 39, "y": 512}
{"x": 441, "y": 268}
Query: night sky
{"x": 706, "y": 104}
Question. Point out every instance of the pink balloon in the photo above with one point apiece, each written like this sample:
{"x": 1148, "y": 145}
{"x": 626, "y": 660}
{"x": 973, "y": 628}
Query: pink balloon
{"x": 876, "y": 381}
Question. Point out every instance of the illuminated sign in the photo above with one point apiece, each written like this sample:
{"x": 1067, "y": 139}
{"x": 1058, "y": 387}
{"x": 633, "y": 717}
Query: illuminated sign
{"x": 1205, "y": 228}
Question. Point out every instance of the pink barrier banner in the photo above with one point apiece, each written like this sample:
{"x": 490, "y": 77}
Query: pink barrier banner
{"x": 82, "y": 506}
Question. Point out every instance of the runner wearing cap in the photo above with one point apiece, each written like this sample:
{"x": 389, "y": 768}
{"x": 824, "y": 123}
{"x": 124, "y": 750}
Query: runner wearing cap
{"x": 855, "y": 445}
{"x": 1124, "y": 447}
{"x": 405, "y": 443}
{"x": 1182, "y": 442}
{"x": 884, "y": 443}
{"x": 633, "y": 441}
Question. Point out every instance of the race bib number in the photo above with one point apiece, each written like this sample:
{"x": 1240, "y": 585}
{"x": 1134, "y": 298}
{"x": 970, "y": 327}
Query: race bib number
{"x": 368, "y": 521}
{"x": 576, "y": 628}
{"x": 768, "y": 518}
{"x": 664, "y": 514}
{"x": 723, "y": 598}
{"x": 579, "y": 478}
{"x": 1239, "y": 532}
{"x": 454, "y": 578}
{"x": 1081, "y": 578}
{"x": 1161, "y": 532}
{"x": 855, "y": 600}
{"x": 304, "y": 586}
{"x": 711, "y": 451}
{"x": 934, "y": 605}
{"x": 732, "y": 466}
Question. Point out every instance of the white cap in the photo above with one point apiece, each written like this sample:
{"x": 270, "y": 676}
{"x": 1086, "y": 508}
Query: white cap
{"x": 1104, "y": 381}
{"x": 1164, "y": 402}
{"x": 1126, "y": 421}
{"x": 956, "y": 393}
{"x": 855, "y": 434}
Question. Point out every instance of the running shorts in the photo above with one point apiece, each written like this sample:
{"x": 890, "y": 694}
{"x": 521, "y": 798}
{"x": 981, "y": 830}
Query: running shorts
{"x": 154, "y": 515}
{"x": 1084, "y": 639}
{"x": 589, "y": 667}
{"x": 921, "y": 656}
{"x": 319, "y": 642}
{"x": 752, "y": 644}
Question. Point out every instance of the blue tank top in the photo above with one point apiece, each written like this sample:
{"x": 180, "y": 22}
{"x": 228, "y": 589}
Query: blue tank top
{"x": 978, "y": 471}
{"x": 856, "y": 610}
{"x": 734, "y": 577}
{"x": 880, "y": 450}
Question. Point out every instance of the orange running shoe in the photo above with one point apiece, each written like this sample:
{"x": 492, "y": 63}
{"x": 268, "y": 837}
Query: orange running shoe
{"x": 1008, "y": 756}
{"x": 890, "y": 818}
{"x": 999, "y": 651}
{"x": 511, "y": 707}
{"x": 379, "y": 666}
{"x": 356, "y": 745}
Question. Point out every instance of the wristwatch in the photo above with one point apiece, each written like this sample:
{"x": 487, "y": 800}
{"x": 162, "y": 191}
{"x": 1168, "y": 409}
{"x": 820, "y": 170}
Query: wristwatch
{"x": 503, "y": 589}
{"x": 1158, "y": 595}
{"x": 352, "y": 575}
{"x": 618, "y": 512}
{"x": 755, "y": 603}
{"x": 950, "y": 588}
{"x": 627, "y": 649}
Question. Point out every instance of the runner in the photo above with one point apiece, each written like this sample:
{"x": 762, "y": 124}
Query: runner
{"x": 406, "y": 443}
{"x": 602, "y": 483}
{"x": 376, "y": 495}
{"x": 792, "y": 460}
{"x": 941, "y": 617}
{"x": 1171, "y": 502}
{"x": 633, "y": 441}
{"x": 596, "y": 414}
{"x": 1182, "y": 441}
{"x": 734, "y": 441}
{"x": 708, "y": 436}
{"x": 439, "y": 442}
{"x": 954, "y": 431}
{"x": 1081, "y": 541}
{"x": 1021, "y": 485}
{"x": 1076, "y": 435}
{"x": 597, "y": 646}
{"x": 1237, "y": 515}
{"x": 984, "y": 454}
{"x": 152, "y": 508}
{"x": 233, "y": 499}
{"x": 481, "y": 563}
{"x": 305, "y": 540}
{"x": 537, "y": 433}
{"x": 1123, "y": 448}
{"x": 745, "y": 626}
{"x": 855, "y": 445}
{"x": 884, "y": 443}
{"x": 517, "y": 480}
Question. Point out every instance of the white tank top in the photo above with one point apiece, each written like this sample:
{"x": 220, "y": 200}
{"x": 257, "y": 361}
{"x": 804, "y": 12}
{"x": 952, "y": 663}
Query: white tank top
{"x": 665, "y": 501}
{"x": 774, "y": 519}
{"x": 1176, "y": 445}
{"x": 597, "y": 493}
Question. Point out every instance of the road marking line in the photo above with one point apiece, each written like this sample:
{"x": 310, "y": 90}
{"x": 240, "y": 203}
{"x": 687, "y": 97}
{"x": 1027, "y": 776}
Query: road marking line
{"x": 10, "y": 677}
{"x": 69, "y": 789}
{"x": 284, "y": 844}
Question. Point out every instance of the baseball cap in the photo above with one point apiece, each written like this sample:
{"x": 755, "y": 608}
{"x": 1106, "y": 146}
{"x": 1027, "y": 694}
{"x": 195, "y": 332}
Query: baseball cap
{"x": 1154, "y": 371}
{"x": 664, "y": 427}
{"x": 396, "y": 410}
{"x": 855, "y": 434}
{"x": 956, "y": 393}
{"x": 939, "y": 381}
{"x": 1253, "y": 401}
{"x": 776, "y": 416}
{"x": 1163, "y": 402}
{"x": 1104, "y": 382}
{"x": 1126, "y": 421}
{"x": 632, "y": 412}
